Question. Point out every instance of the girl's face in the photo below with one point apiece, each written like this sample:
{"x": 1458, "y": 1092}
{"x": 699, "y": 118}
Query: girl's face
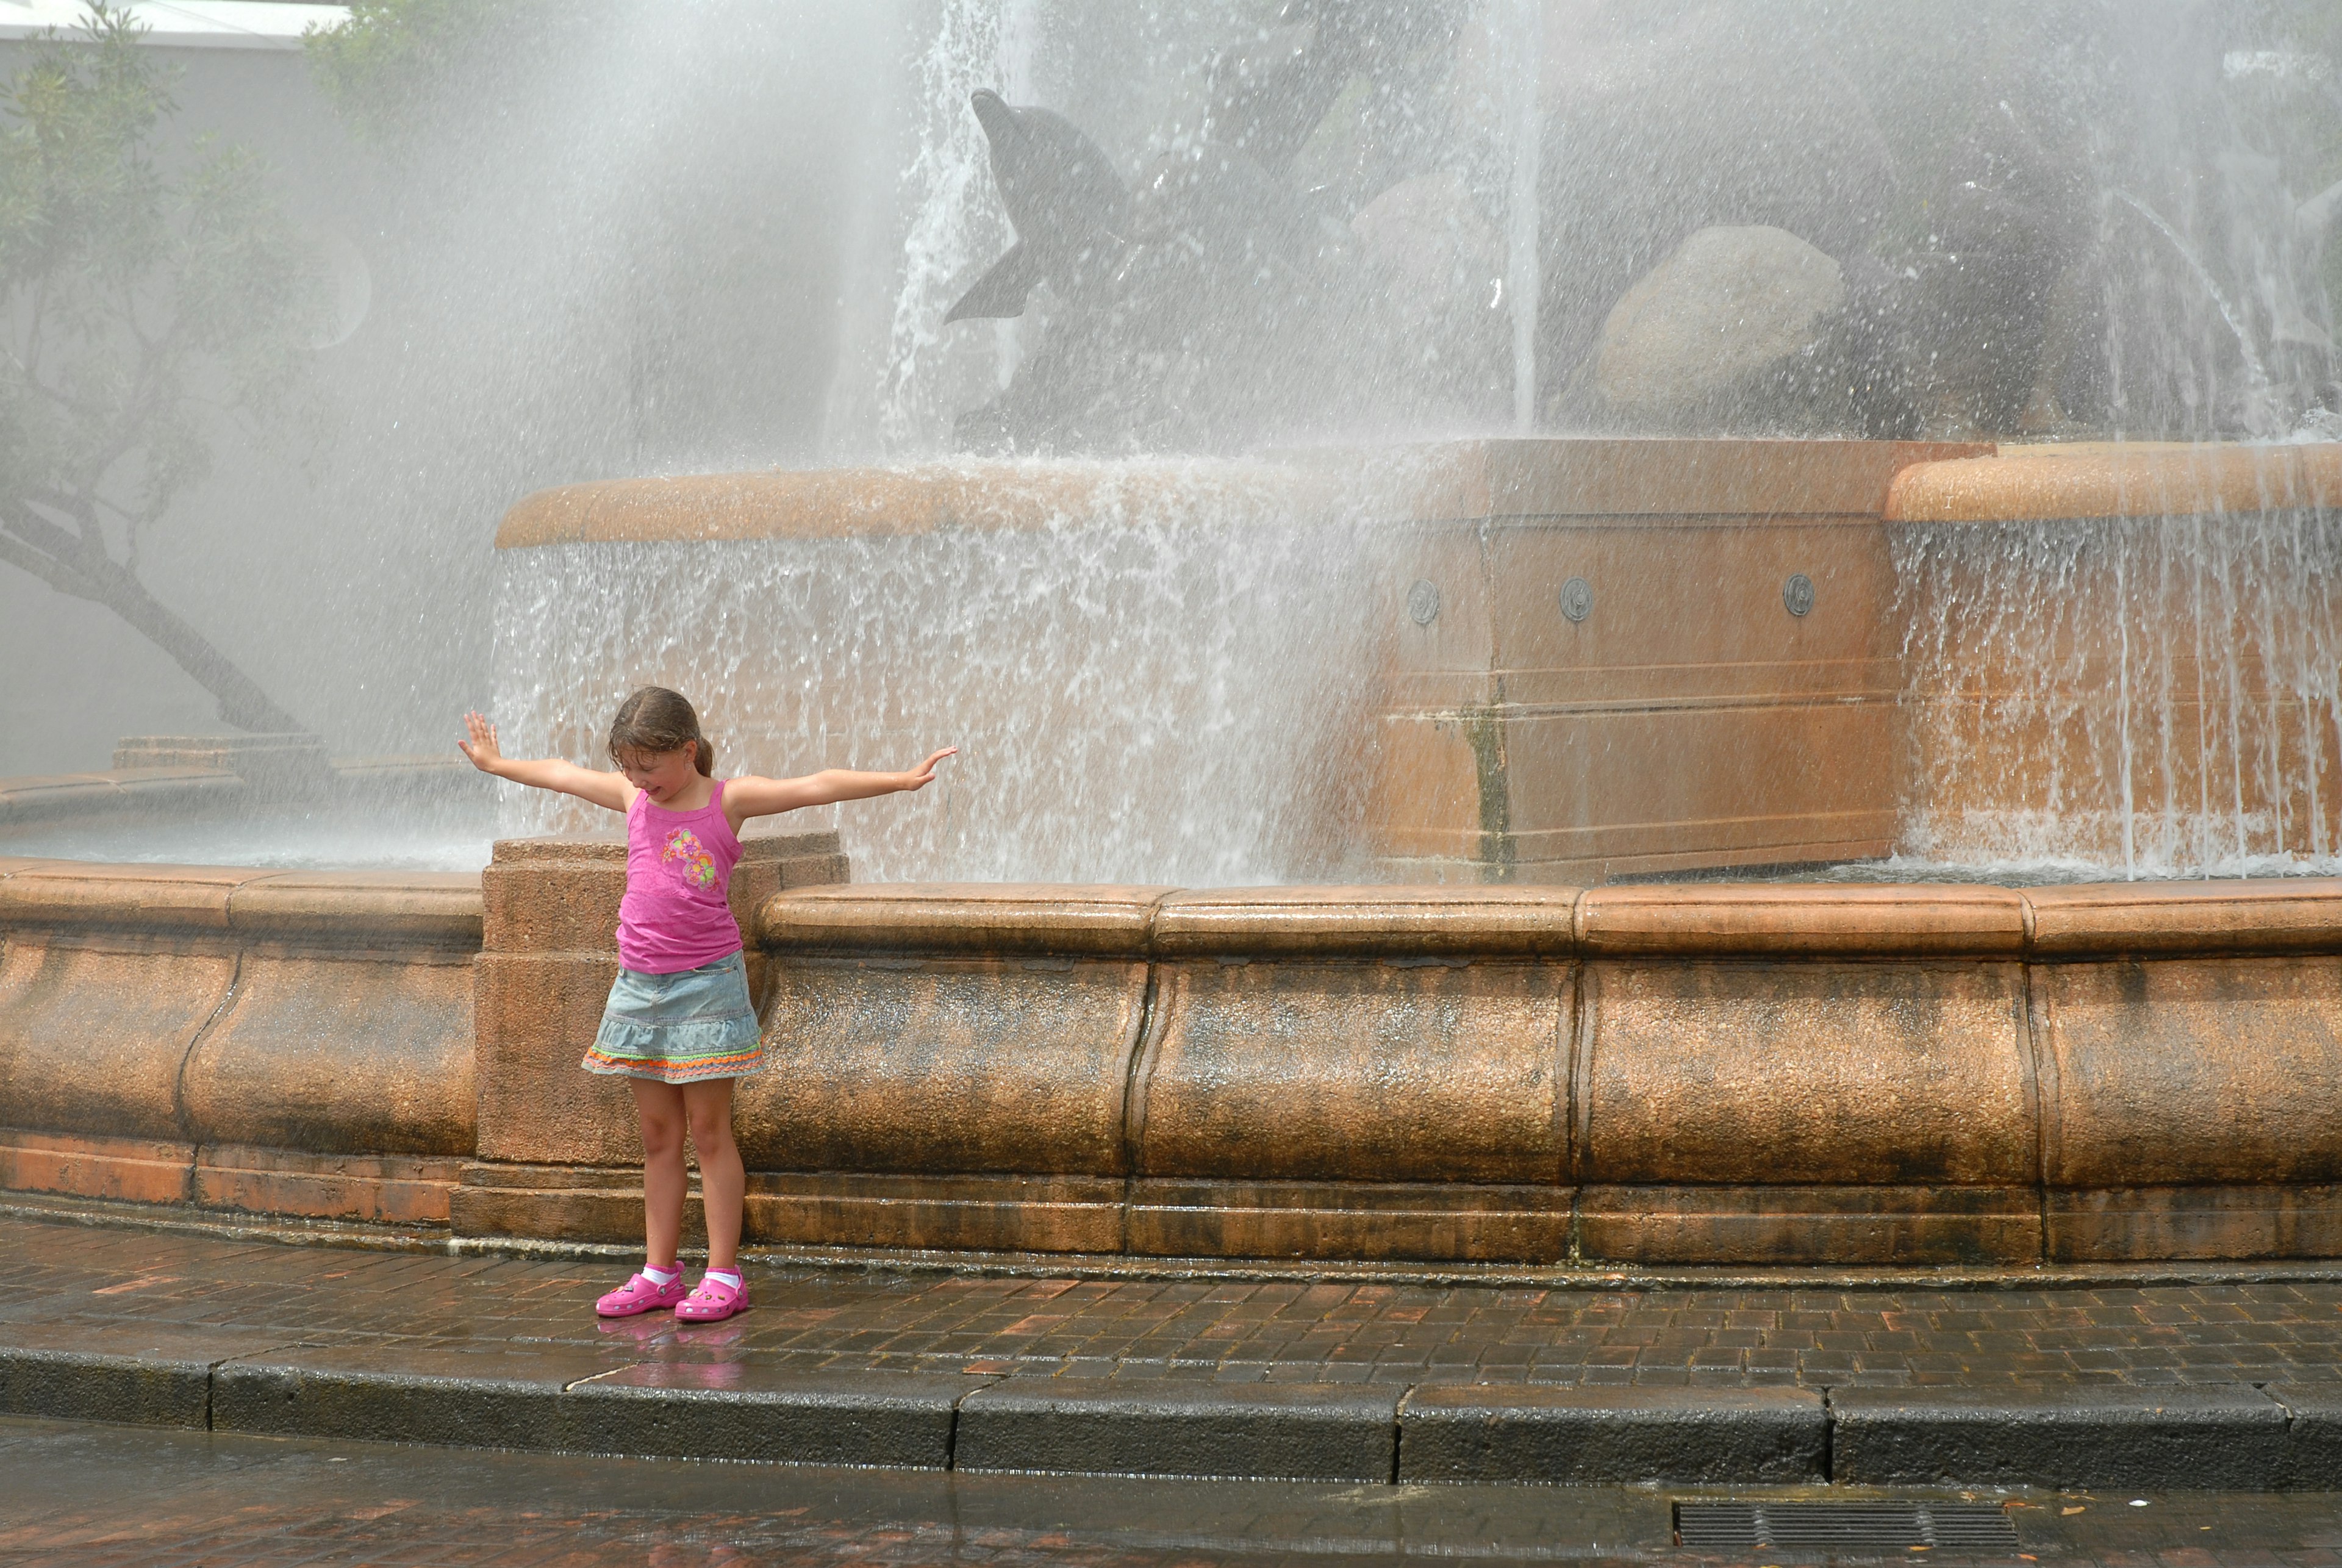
{"x": 662, "y": 775}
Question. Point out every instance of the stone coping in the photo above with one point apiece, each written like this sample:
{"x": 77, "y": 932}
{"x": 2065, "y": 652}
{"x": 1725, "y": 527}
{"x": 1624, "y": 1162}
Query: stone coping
{"x": 1630, "y": 476}
{"x": 180, "y": 790}
{"x": 865, "y": 503}
{"x": 45, "y": 797}
{"x": 1647, "y": 479}
{"x": 2109, "y": 479}
{"x": 1643, "y": 478}
{"x": 435, "y": 909}
{"x": 1894, "y": 920}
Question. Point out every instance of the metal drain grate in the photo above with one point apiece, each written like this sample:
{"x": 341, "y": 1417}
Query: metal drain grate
{"x": 1849, "y": 1525}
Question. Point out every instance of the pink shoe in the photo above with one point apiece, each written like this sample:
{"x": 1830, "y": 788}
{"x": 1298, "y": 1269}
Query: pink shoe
{"x": 640, "y": 1294}
{"x": 714, "y": 1300}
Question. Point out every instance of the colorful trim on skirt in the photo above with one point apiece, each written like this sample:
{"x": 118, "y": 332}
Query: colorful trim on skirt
{"x": 681, "y": 1028}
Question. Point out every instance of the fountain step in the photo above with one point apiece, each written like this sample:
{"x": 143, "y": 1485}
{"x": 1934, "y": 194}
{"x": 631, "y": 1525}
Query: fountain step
{"x": 1323, "y": 1377}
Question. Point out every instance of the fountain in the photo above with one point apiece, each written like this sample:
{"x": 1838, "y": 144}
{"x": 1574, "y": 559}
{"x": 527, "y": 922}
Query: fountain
{"x": 1531, "y": 692}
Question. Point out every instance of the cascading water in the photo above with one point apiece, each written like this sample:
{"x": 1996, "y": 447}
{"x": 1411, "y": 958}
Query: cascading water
{"x": 1147, "y": 667}
{"x": 976, "y": 43}
{"x": 2155, "y": 696}
{"x": 724, "y": 236}
{"x": 1521, "y": 34}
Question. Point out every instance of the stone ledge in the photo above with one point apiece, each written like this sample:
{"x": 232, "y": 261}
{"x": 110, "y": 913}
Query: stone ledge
{"x": 1311, "y": 922}
{"x": 144, "y": 1374}
{"x": 1779, "y": 921}
{"x": 1585, "y": 1437}
{"x": 605, "y": 1399}
{"x": 471, "y": 1396}
{"x": 50, "y": 799}
{"x": 2314, "y": 1435}
{"x": 1293, "y": 1432}
{"x": 987, "y": 918}
{"x": 2182, "y": 919}
{"x": 597, "y": 1400}
{"x": 2116, "y": 479}
{"x": 2228, "y": 1437}
{"x": 1790, "y": 921}
{"x": 902, "y": 1420}
{"x": 305, "y": 908}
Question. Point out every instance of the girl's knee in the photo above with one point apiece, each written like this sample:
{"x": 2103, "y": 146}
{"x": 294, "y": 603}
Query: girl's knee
{"x": 711, "y": 1131}
{"x": 662, "y": 1134}
{"x": 709, "y": 1108}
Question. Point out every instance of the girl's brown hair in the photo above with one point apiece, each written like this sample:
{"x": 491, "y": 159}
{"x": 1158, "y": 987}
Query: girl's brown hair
{"x": 656, "y": 720}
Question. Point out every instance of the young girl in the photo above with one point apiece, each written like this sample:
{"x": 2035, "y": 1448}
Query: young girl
{"x": 679, "y": 1027}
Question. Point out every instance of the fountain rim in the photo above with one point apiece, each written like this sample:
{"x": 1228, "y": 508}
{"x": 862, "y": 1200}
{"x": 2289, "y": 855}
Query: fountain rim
{"x": 2098, "y": 480}
{"x": 1647, "y": 479}
{"x": 1482, "y": 923}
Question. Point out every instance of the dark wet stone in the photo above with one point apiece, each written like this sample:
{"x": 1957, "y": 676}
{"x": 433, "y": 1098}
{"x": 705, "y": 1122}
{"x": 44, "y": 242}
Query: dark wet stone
{"x": 752, "y": 1411}
{"x": 1311, "y": 1431}
{"x": 2229, "y": 1436}
{"x": 155, "y": 1374}
{"x": 1773, "y": 1436}
{"x": 490, "y": 1395}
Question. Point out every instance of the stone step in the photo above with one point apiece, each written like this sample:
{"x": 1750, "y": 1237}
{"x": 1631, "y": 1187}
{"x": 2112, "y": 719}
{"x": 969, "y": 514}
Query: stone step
{"x": 598, "y": 1400}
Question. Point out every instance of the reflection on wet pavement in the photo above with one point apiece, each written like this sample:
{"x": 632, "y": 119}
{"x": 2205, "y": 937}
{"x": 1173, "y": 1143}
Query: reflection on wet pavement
{"x": 83, "y": 1284}
{"x": 122, "y": 1497}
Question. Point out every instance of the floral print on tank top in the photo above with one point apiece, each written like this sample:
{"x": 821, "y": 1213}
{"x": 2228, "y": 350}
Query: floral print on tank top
{"x": 690, "y": 858}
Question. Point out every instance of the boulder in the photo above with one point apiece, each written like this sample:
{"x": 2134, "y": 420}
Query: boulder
{"x": 1716, "y": 327}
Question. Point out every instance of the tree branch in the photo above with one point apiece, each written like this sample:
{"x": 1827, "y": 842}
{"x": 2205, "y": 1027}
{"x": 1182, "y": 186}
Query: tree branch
{"x": 42, "y": 534}
{"x": 48, "y": 569}
{"x": 105, "y": 581}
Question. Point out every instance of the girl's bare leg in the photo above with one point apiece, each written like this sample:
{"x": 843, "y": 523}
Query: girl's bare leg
{"x": 661, "y": 1108}
{"x": 721, "y": 1180}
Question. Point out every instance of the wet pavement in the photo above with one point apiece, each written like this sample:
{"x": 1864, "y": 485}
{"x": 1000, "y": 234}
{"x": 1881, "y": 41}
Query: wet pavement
{"x": 1821, "y": 1335}
{"x": 123, "y": 1497}
{"x": 2233, "y": 1385}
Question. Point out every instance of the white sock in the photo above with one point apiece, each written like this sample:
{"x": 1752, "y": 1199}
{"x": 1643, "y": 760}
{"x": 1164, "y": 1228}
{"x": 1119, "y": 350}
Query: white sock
{"x": 661, "y": 1277}
{"x": 729, "y": 1276}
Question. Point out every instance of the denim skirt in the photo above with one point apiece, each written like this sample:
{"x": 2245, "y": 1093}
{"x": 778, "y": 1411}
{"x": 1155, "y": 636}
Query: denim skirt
{"x": 680, "y": 1028}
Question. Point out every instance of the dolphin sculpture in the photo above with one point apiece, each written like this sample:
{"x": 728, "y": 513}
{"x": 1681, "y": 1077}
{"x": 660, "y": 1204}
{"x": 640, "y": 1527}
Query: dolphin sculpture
{"x": 1066, "y": 202}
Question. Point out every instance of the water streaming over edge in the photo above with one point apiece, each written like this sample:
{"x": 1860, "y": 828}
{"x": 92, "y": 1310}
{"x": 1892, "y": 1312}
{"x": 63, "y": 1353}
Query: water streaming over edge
{"x": 2146, "y": 697}
{"x": 1153, "y": 682}
{"x": 2209, "y": 273}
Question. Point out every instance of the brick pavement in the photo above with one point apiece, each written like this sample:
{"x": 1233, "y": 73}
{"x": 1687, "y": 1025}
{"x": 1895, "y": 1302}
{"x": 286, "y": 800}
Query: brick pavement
{"x": 1222, "y": 1330}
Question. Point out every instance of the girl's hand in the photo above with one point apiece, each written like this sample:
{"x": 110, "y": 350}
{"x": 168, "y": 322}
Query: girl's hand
{"x": 920, "y": 777}
{"x": 482, "y": 745}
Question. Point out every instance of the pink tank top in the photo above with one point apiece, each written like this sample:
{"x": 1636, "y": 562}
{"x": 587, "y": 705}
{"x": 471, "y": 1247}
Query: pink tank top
{"x": 677, "y": 915}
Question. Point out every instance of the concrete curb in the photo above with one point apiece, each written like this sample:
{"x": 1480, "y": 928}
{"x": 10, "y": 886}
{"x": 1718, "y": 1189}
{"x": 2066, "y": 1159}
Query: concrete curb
{"x": 2229, "y": 1437}
{"x": 579, "y": 1400}
{"x": 2313, "y": 1456}
{"x": 131, "y": 1374}
{"x": 595, "y": 1400}
{"x": 1279, "y": 1431}
{"x": 1775, "y": 1436}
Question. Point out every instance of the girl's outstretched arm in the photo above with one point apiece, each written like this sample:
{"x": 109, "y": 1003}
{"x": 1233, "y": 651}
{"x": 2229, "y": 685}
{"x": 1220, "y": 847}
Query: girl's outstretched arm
{"x": 610, "y": 790}
{"x": 748, "y": 797}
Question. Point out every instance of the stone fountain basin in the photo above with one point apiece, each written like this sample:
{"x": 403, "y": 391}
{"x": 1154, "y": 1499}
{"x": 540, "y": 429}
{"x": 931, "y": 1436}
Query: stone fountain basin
{"x": 278, "y": 799}
{"x": 1746, "y": 1074}
{"x": 1556, "y": 660}
{"x": 1498, "y": 1074}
